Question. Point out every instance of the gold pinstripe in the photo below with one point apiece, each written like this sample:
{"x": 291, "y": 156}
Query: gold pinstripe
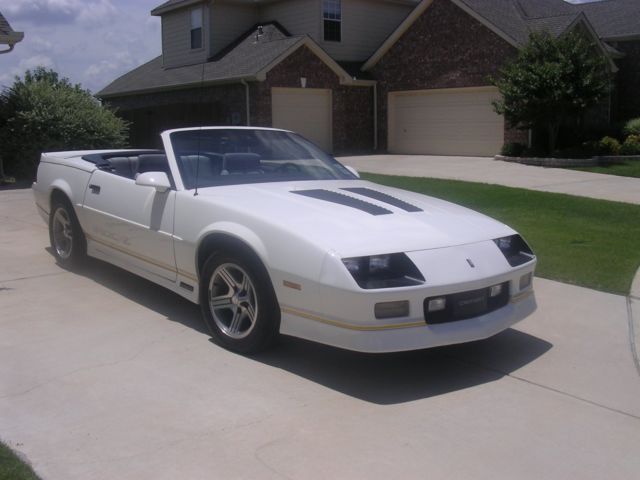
{"x": 148, "y": 260}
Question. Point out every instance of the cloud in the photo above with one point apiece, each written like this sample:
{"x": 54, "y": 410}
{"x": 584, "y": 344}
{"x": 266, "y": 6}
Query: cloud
{"x": 25, "y": 64}
{"x": 108, "y": 69}
{"x": 91, "y": 42}
{"x": 51, "y": 12}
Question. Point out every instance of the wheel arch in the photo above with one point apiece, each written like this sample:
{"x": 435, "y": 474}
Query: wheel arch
{"x": 233, "y": 238}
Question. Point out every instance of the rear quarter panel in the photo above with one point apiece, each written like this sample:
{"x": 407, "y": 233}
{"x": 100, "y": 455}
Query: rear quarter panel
{"x": 70, "y": 176}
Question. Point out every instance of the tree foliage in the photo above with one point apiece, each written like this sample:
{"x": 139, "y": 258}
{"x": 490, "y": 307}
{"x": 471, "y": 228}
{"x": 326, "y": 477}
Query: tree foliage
{"x": 551, "y": 81}
{"x": 42, "y": 112}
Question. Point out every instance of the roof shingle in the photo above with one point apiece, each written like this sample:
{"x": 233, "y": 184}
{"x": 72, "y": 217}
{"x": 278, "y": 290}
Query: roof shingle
{"x": 247, "y": 59}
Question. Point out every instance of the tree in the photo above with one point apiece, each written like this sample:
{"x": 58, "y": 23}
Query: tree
{"x": 551, "y": 81}
{"x": 42, "y": 112}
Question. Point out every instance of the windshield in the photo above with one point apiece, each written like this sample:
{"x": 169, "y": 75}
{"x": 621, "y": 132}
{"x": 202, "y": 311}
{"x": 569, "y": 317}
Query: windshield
{"x": 214, "y": 157}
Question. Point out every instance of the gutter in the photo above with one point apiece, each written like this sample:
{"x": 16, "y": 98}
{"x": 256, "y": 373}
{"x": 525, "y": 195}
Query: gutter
{"x": 248, "y": 108}
{"x": 11, "y": 39}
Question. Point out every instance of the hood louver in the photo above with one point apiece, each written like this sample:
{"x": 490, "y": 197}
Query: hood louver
{"x": 347, "y": 201}
{"x": 383, "y": 197}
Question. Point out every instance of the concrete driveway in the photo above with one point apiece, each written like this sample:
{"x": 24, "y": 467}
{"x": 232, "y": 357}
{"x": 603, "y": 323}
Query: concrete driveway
{"x": 488, "y": 170}
{"x": 106, "y": 376}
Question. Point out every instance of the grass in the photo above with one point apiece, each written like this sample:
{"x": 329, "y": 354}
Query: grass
{"x": 630, "y": 168}
{"x": 12, "y": 468}
{"x": 582, "y": 241}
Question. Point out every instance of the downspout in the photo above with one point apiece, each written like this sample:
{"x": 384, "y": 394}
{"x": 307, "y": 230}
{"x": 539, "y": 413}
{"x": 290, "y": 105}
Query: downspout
{"x": 11, "y": 45}
{"x": 375, "y": 116}
{"x": 248, "y": 107}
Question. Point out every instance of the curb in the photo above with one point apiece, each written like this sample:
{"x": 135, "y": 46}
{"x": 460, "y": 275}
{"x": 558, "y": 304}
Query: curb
{"x": 633, "y": 307}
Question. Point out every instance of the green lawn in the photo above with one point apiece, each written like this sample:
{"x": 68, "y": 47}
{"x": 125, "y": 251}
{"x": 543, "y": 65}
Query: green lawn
{"x": 592, "y": 243}
{"x": 12, "y": 468}
{"x": 630, "y": 168}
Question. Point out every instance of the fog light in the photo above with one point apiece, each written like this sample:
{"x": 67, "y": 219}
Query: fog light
{"x": 437, "y": 304}
{"x": 392, "y": 309}
{"x": 525, "y": 280}
{"x": 495, "y": 290}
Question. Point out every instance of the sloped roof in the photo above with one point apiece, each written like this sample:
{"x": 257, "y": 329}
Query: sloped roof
{"x": 246, "y": 59}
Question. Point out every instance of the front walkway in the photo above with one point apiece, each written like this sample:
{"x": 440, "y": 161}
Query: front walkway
{"x": 488, "y": 170}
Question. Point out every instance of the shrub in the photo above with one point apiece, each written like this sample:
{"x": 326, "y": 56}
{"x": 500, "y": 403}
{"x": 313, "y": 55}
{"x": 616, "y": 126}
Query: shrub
{"x": 632, "y": 127}
{"x": 42, "y": 112}
{"x": 631, "y": 145}
{"x": 512, "y": 149}
{"x": 609, "y": 146}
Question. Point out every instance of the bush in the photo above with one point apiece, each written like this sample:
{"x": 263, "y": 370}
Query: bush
{"x": 42, "y": 112}
{"x": 609, "y": 146}
{"x": 631, "y": 145}
{"x": 512, "y": 149}
{"x": 632, "y": 127}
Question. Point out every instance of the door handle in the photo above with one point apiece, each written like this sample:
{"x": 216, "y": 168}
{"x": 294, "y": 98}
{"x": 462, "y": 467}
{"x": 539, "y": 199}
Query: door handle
{"x": 94, "y": 189}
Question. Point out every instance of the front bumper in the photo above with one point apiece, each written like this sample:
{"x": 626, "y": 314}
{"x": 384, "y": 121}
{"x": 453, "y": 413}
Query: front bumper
{"x": 408, "y": 335}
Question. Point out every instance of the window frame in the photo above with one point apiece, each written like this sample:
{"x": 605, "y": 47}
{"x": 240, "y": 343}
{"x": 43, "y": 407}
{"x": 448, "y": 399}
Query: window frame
{"x": 192, "y": 29}
{"x": 332, "y": 8}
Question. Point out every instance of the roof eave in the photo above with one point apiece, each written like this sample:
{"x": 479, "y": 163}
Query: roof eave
{"x": 182, "y": 86}
{"x": 158, "y": 11}
{"x": 12, "y": 38}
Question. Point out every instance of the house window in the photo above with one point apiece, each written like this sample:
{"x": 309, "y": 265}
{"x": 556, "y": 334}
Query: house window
{"x": 196, "y": 28}
{"x": 332, "y": 17}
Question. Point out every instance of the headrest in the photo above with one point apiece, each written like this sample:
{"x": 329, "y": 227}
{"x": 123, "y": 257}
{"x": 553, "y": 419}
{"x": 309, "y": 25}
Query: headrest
{"x": 153, "y": 163}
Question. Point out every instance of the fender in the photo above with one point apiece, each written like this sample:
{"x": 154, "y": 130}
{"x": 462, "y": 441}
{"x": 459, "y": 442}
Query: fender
{"x": 236, "y": 231}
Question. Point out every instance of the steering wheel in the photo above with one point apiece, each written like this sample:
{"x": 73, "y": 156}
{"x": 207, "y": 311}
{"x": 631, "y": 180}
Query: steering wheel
{"x": 289, "y": 167}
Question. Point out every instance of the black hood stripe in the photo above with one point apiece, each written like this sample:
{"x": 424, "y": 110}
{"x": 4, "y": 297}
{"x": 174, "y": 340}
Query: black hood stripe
{"x": 383, "y": 197}
{"x": 346, "y": 200}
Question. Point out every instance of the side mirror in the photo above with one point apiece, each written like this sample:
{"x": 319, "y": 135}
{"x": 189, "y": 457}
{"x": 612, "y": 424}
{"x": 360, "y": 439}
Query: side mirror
{"x": 158, "y": 180}
{"x": 352, "y": 170}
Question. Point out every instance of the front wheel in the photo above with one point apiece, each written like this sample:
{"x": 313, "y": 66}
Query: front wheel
{"x": 238, "y": 303}
{"x": 65, "y": 234}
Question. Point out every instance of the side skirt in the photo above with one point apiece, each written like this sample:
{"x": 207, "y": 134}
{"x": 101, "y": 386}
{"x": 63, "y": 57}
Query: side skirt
{"x": 104, "y": 253}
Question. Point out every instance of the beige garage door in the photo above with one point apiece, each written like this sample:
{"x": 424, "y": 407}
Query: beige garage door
{"x": 457, "y": 121}
{"x": 306, "y": 111}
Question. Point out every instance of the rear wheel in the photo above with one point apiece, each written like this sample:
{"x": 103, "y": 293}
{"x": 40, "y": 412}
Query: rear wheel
{"x": 238, "y": 303}
{"x": 66, "y": 237}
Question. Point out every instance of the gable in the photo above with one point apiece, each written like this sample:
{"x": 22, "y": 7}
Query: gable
{"x": 443, "y": 48}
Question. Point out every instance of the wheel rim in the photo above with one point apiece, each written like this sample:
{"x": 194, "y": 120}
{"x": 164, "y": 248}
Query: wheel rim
{"x": 62, "y": 233}
{"x": 232, "y": 301}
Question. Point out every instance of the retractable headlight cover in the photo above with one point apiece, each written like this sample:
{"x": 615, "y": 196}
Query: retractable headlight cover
{"x": 383, "y": 271}
{"x": 515, "y": 250}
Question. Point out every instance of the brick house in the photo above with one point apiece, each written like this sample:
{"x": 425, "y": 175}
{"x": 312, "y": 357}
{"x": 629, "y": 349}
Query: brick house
{"x": 404, "y": 76}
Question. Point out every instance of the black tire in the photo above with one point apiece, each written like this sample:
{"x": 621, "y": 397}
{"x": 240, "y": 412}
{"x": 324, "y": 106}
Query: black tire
{"x": 68, "y": 242}
{"x": 245, "y": 315}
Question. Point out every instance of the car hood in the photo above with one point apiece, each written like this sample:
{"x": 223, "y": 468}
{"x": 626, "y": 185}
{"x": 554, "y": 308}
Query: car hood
{"x": 356, "y": 217}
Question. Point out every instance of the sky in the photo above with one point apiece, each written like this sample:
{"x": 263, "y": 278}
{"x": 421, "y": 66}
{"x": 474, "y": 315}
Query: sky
{"x": 91, "y": 42}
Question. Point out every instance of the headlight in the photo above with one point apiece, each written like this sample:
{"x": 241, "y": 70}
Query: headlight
{"x": 515, "y": 250}
{"x": 383, "y": 271}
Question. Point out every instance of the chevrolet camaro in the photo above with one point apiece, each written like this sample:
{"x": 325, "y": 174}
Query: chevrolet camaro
{"x": 270, "y": 235}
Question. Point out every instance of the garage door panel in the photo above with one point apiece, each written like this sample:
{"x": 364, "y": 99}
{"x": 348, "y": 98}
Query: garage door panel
{"x": 306, "y": 111}
{"x": 445, "y": 122}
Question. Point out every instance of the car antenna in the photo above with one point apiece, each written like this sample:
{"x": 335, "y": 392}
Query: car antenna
{"x": 200, "y": 99}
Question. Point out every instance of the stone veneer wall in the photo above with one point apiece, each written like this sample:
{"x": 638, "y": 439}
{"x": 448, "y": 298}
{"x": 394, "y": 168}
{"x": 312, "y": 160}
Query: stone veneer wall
{"x": 444, "y": 48}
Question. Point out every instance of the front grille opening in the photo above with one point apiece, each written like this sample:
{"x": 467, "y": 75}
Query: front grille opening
{"x": 463, "y": 305}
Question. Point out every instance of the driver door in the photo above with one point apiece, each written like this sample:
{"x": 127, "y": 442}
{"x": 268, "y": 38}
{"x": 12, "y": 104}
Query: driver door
{"x": 130, "y": 222}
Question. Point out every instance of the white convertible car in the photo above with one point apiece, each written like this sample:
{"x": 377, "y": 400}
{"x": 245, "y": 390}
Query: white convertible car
{"x": 271, "y": 235}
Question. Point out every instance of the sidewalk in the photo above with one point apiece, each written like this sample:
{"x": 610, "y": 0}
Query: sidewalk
{"x": 488, "y": 170}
